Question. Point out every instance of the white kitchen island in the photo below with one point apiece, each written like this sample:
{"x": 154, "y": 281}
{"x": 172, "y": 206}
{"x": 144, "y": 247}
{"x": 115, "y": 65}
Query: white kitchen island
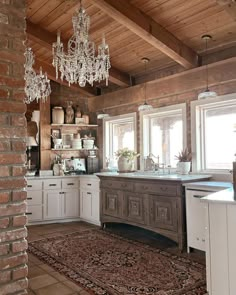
{"x": 220, "y": 210}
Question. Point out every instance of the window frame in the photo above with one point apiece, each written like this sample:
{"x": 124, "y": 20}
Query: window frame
{"x": 198, "y": 132}
{"x": 114, "y": 120}
{"x": 151, "y": 114}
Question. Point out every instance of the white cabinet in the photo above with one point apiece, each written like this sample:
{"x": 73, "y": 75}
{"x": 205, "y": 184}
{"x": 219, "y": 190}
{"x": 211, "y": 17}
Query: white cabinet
{"x": 195, "y": 214}
{"x": 58, "y": 198}
{"x": 195, "y": 217}
{"x": 89, "y": 200}
{"x": 52, "y": 199}
{"x": 61, "y": 204}
{"x": 52, "y": 204}
{"x": 61, "y": 198}
{"x": 221, "y": 245}
{"x": 70, "y": 206}
{"x": 34, "y": 210}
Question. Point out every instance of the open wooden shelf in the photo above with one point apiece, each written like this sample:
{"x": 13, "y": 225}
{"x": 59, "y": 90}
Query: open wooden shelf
{"x": 73, "y": 125}
{"x": 74, "y": 149}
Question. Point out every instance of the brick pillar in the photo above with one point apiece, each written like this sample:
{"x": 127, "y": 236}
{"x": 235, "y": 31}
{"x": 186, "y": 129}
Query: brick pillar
{"x": 13, "y": 245}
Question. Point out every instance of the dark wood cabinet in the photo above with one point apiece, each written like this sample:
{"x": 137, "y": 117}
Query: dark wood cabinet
{"x": 111, "y": 202}
{"x": 163, "y": 212}
{"x": 157, "y": 205}
{"x": 135, "y": 207}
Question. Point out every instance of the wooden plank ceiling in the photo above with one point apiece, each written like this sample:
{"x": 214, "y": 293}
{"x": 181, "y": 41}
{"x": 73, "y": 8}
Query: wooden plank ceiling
{"x": 168, "y": 32}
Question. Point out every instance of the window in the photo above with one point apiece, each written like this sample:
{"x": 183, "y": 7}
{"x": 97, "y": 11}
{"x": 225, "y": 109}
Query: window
{"x": 163, "y": 133}
{"x": 119, "y": 132}
{"x": 214, "y": 133}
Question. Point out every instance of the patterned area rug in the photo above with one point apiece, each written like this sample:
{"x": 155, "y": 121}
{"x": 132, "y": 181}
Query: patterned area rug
{"x": 107, "y": 264}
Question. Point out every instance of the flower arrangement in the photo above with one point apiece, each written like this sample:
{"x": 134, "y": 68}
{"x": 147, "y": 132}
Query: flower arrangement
{"x": 184, "y": 156}
{"x": 126, "y": 153}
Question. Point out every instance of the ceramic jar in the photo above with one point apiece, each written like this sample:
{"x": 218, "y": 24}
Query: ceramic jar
{"x": 183, "y": 168}
{"x": 70, "y": 114}
{"x": 57, "y": 115}
{"x": 86, "y": 119}
{"x": 125, "y": 164}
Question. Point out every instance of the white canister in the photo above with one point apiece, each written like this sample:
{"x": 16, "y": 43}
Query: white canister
{"x": 58, "y": 115}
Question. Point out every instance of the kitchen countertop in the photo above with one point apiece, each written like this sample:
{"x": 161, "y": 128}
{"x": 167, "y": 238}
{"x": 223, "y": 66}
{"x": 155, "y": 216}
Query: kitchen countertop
{"x": 63, "y": 176}
{"x": 224, "y": 197}
{"x": 208, "y": 185}
{"x": 153, "y": 176}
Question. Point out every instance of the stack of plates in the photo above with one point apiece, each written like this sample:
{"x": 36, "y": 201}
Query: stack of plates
{"x": 88, "y": 144}
{"x": 76, "y": 144}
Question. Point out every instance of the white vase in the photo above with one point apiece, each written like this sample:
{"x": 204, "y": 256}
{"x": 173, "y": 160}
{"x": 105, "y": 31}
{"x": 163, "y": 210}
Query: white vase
{"x": 125, "y": 164}
{"x": 183, "y": 167}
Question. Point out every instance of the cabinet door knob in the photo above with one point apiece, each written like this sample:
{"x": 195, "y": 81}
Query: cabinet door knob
{"x": 89, "y": 184}
{"x": 71, "y": 183}
{"x": 29, "y": 198}
{"x": 28, "y": 213}
{"x": 52, "y": 184}
{"x": 29, "y": 185}
{"x": 88, "y": 193}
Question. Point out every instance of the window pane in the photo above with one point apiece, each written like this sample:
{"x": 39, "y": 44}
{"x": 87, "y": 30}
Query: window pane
{"x": 166, "y": 136}
{"x": 119, "y": 133}
{"x": 220, "y": 137}
{"x": 122, "y": 136}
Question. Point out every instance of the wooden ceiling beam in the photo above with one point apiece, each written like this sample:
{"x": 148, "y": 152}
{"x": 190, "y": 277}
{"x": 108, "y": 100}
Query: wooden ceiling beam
{"x": 50, "y": 70}
{"x": 229, "y": 6}
{"x": 149, "y": 30}
{"x": 45, "y": 39}
{"x": 190, "y": 80}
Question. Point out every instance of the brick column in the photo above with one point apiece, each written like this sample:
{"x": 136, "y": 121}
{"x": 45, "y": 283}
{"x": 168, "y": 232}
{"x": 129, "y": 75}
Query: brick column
{"x": 13, "y": 245}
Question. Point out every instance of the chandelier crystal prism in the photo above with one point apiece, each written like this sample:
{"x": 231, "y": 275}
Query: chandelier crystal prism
{"x": 207, "y": 93}
{"x": 37, "y": 86}
{"x": 80, "y": 64}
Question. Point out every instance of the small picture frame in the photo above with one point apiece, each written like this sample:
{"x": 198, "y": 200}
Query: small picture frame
{"x": 79, "y": 121}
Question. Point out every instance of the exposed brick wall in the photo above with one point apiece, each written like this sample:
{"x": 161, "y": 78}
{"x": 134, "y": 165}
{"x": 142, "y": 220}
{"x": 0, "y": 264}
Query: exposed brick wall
{"x": 13, "y": 244}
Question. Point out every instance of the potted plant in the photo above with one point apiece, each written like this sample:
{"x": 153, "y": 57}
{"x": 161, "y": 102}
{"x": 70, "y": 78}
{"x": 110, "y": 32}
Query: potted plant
{"x": 184, "y": 164}
{"x": 126, "y": 159}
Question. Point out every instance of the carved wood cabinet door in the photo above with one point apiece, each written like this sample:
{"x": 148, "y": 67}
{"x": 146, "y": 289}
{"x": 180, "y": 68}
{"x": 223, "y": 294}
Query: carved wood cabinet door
{"x": 112, "y": 202}
{"x": 135, "y": 207}
{"x": 163, "y": 212}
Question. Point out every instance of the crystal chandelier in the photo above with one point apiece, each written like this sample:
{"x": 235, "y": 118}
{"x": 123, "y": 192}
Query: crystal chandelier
{"x": 37, "y": 86}
{"x": 80, "y": 64}
{"x": 207, "y": 93}
{"x": 145, "y": 106}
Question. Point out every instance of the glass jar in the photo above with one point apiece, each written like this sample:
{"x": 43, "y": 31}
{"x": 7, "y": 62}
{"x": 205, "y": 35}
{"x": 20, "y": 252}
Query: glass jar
{"x": 57, "y": 115}
{"x": 70, "y": 114}
{"x": 78, "y": 112}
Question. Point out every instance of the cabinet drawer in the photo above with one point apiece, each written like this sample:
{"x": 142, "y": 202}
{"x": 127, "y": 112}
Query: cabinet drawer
{"x": 35, "y": 198}
{"x": 122, "y": 185}
{"x": 89, "y": 184}
{"x": 52, "y": 184}
{"x": 70, "y": 183}
{"x": 34, "y": 213}
{"x": 156, "y": 188}
{"x": 34, "y": 185}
